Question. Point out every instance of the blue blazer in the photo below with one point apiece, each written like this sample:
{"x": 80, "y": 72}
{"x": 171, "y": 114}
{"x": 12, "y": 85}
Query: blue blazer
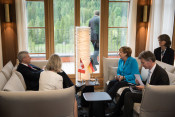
{"x": 128, "y": 69}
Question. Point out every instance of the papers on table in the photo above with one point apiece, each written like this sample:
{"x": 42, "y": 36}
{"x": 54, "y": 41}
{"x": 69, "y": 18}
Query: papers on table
{"x": 137, "y": 76}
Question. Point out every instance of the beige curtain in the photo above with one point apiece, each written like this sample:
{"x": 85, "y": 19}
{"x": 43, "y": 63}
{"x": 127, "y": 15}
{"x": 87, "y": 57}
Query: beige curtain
{"x": 1, "y": 61}
{"x": 21, "y": 22}
{"x": 132, "y": 26}
{"x": 161, "y": 21}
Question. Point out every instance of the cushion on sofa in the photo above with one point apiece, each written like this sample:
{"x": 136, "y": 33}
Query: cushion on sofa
{"x": 14, "y": 84}
{"x": 21, "y": 78}
{"x": 3, "y": 80}
{"x": 158, "y": 101}
{"x": 7, "y": 70}
{"x": 167, "y": 67}
{"x": 55, "y": 103}
{"x": 171, "y": 78}
{"x": 112, "y": 72}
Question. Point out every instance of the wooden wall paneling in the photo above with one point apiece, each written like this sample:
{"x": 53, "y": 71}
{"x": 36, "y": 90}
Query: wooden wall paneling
{"x": 141, "y": 27}
{"x": 9, "y": 34}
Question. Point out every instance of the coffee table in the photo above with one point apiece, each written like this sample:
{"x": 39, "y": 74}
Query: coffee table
{"x": 96, "y": 103}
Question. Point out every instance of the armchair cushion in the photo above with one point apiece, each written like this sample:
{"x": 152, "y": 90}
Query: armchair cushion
{"x": 3, "y": 80}
{"x": 21, "y": 78}
{"x": 158, "y": 101}
{"x": 7, "y": 70}
{"x": 112, "y": 72}
{"x": 14, "y": 84}
{"x": 171, "y": 78}
{"x": 167, "y": 67}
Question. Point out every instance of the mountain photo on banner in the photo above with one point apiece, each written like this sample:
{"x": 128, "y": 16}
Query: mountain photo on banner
{"x": 81, "y": 67}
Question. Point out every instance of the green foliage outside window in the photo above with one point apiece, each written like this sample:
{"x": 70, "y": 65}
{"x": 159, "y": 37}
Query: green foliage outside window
{"x": 64, "y": 24}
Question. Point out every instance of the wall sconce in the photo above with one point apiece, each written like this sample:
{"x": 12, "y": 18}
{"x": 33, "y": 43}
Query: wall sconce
{"x": 82, "y": 51}
{"x": 7, "y": 13}
{"x": 145, "y": 13}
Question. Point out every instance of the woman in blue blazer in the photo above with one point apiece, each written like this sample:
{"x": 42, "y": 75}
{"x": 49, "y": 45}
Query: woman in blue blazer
{"x": 127, "y": 67}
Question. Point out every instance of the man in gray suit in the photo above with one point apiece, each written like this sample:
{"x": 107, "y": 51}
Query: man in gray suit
{"x": 94, "y": 25}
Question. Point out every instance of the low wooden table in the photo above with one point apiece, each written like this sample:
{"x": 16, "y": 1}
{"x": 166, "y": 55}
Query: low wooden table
{"x": 96, "y": 100}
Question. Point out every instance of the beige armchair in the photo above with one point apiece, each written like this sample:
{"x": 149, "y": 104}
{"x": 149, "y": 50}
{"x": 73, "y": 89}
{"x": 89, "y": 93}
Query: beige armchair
{"x": 157, "y": 101}
{"x": 56, "y": 103}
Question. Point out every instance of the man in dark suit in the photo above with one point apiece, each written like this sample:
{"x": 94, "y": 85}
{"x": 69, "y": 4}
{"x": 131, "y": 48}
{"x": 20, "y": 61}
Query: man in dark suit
{"x": 164, "y": 53}
{"x": 156, "y": 76}
{"x": 30, "y": 72}
{"x": 94, "y": 25}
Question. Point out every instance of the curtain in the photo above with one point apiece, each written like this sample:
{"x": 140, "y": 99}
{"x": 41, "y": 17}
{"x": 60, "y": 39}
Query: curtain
{"x": 161, "y": 21}
{"x": 1, "y": 61}
{"x": 21, "y": 24}
{"x": 132, "y": 26}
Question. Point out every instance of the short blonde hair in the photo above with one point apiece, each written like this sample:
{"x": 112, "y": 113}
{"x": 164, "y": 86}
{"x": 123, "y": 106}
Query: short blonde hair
{"x": 54, "y": 63}
{"x": 127, "y": 50}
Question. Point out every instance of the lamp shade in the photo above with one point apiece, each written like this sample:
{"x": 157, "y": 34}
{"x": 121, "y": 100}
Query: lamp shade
{"x": 82, "y": 51}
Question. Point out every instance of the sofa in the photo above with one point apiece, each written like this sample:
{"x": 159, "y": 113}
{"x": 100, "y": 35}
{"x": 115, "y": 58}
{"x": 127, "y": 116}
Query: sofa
{"x": 15, "y": 101}
{"x": 110, "y": 70}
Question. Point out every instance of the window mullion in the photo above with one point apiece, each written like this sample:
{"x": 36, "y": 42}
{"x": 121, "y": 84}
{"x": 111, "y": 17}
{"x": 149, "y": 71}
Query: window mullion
{"x": 49, "y": 24}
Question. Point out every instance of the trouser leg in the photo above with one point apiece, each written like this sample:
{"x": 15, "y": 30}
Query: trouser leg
{"x": 129, "y": 100}
{"x": 96, "y": 53}
{"x": 113, "y": 90}
{"x": 120, "y": 102}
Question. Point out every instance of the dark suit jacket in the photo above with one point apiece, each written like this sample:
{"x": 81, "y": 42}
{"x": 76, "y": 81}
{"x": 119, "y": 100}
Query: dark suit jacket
{"x": 159, "y": 76}
{"x": 168, "y": 56}
{"x": 66, "y": 80}
{"x": 94, "y": 25}
{"x": 31, "y": 76}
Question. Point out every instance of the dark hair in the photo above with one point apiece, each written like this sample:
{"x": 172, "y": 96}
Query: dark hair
{"x": 147, "y": 55}
{"x": 97, "y": 12}
{"x": 166, "y": 38}
{"x": 127, "y": 50}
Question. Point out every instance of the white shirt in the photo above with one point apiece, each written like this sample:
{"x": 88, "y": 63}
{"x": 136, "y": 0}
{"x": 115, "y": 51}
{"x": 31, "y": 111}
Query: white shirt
{"x": 151, "y": 72}
{"x": 50, "y": 80}
{"x": 162, "y": 54}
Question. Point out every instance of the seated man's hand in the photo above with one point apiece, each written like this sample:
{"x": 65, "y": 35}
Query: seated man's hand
{"x": 140, "y": 87}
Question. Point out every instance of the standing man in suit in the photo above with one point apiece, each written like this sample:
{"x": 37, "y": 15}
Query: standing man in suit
{"x": 94, "y": 24}
{"x": 164, "y": 53}
{"x": 156, "y": 76}
{"x": 30, "y": 72}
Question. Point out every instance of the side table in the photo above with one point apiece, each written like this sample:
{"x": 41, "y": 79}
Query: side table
{"x": 86, "y": 86}
{"x": 97, "y": 105}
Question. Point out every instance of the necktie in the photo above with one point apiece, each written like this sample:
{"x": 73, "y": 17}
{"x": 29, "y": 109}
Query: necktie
{"x": 148, "y": 78}
{"x": 30, "y": 66}
{"x": 162, "y": 52}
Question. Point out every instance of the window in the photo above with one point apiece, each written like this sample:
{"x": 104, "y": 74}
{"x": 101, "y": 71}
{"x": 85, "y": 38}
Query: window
{"x": 36, "y": 29}
{"x": 117, "y": 25}
{"x": 51, "y": 28}
{"x": 87, "y": 12}
{"x": 64, "y": 33}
